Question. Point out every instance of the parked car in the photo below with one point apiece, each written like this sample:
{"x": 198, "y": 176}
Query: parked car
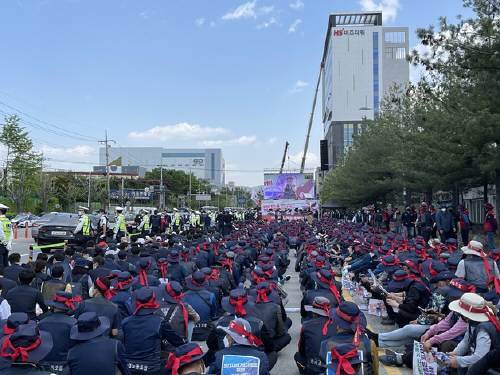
{"x": 24, "y": 220}
{"x": 57, "y": 227}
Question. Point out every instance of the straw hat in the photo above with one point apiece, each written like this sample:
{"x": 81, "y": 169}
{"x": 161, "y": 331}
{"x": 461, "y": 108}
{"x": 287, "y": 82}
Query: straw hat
{"x": 470, "y": 305}
{"x": 473, "y": 248}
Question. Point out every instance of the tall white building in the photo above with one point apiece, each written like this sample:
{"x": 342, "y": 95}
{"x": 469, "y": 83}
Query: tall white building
{"x": 362, "y": 61}
{"x": 207, "y": 164}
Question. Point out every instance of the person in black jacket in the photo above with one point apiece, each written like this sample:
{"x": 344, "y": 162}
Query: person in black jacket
{"x": 12, "y": 272}
{"x": 24, "y": 297}
{"x": 94, "y": 352}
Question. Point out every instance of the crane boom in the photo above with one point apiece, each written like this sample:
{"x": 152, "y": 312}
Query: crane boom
{"x": 284, "y": 157}
{"x": 306, "y": 146}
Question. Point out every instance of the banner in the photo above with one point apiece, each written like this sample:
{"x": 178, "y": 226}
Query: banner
{"x": 296, "y": 186}
{"x": 423, "y": 362}
{"x": 289, "y": 209}
{"x": 240, "y": 365}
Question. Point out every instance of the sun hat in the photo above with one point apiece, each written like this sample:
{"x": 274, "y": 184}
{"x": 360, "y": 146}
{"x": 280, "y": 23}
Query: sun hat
{"x": 89, "y": 326}
{"x": 474, "y": 307}
{"x": 348, "y": 316}
{"x": 443, "y": 275}
{"x": 183, "y": 356}
{"x": 27, "y": 344}
{"x": 145, "y": 301}
{"x": 13, "y": 321}
{"x": 235, "y": 303}
{"x": 341, "y": 355}
{"x": 240, "y": 331}
{"x": 320, "y": 306}
{"x": 197, "y": 281}
{"x": 473, "y": 248}
{"x": 65, "y": 301}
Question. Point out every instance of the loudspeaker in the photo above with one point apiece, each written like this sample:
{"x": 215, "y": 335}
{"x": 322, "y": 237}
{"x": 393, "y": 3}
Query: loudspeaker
{"x": 323, "y": 150}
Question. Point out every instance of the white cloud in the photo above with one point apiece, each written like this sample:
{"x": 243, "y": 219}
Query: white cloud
{"x": 296, "y": 5}
{"x": 245, "y": 10}
{"x": 244, "y": 140}
{"x": 71, "y": 153}
{"x": 312, "y": 160}
{"x": 294, "y": 26}
{"x": 389, "y": 8}
{"x": 146, "y": 14}
{"x": 266, "y": 9}
{"x": 264, "y": 25}
{"x": 271, "y": 141}
{"x": 298, "y": 86}
{"x": 181, "y": 130}
{"x": 199, "y": 22}
{"x": 212, "y": 24}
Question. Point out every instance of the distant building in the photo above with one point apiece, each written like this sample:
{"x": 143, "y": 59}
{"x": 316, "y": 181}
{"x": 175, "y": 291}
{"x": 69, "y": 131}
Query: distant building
{"x": 206, "y": 164}
{"x": 118, "y": 170}
{"x": 362, "y": 60}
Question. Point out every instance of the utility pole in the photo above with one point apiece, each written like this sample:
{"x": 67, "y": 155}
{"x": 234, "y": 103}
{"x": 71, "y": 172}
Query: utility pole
{"x": 162, "y": 195}
{"x": 190, "y": 188}
{"x": 88, "y": 197}
{"x": 105, "y": 142}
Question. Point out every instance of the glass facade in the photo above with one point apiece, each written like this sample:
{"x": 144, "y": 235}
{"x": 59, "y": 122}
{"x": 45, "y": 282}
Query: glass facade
{"x": 376, "y": 98}
{"x": 348, "y": 133}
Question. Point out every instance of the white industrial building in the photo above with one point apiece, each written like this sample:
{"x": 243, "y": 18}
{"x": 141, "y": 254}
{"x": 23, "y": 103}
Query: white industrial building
{"x": 362, "y": 61}
{"x": 206, "y": 164}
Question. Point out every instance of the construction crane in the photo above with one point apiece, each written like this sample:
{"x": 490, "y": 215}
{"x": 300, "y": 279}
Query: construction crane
{"x": 284, "y": 157}
{"x": 306, "y": 146}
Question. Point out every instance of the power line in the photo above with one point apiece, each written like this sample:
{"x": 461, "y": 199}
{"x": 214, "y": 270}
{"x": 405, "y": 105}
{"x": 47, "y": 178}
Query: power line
{"x": 60, "y": 131}
{"x": 106, "y": 143}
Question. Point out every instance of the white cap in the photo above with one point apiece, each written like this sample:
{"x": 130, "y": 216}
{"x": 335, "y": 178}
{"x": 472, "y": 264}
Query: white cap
{"x": 83, "y": 208}
{"x": 119, "y": 208}
{"x": 175, "y": 209}
{"x": 3, "y": 206}
{"x": 197, "y": 212}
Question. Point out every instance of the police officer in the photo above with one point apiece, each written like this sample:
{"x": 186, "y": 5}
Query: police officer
{"x": 94, "y": 352}
{"x": 5, "y": 237}
{"x": 59, "y": 323}
{"x": 120, "y": 225}
{"x": 145, "y": 226}
{"x": 83, "y": 230}
{"x": 143, "y": 333}
{"x": 176, "y": 221}
{"x": 103, "y": 223}
{"x": 242, "y": 345}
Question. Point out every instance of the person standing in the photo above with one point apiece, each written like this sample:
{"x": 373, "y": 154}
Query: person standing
{"x": 464, "y": 224}
{"x": 103, "y": 223}
{"x": 5, "y": 237}
{"x": 408, "y": 221}
{"x": 83, "y": 229}
{"x": 120, "y": 225}
{"x": 490, "y": 225}
{"x": 445, "y": 223}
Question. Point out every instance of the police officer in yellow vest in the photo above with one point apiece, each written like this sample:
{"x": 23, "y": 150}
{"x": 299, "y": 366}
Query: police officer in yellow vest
{"x": 145, "y": 225}
{"x": 83, "y": 230}
{"x": 176, "y": 221}
{"x": 5, "y": 237}
{"x": 120, "y": 225}
{"x": 194, "y": 219}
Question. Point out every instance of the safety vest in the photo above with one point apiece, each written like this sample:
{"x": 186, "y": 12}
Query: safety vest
{"x": 122, "y": 226}
{"x": 145, "y": 219}
{"x": 7, "y": 228}
{"x": 177, "y": 220}
{"x": 86, "y": 225}
{"x": 195, "y": 220}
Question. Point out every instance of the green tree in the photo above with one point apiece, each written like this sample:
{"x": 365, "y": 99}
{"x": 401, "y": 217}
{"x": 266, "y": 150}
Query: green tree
{"x": 22, "y": 166}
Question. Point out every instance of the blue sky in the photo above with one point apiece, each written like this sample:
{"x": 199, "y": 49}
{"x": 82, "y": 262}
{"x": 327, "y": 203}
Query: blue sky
{"x": 232, "y": 74}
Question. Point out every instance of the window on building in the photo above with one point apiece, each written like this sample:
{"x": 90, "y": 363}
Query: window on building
{"x": 395, "y": 37}
{"x": 348, "y": 133}
{"x": 397, "y": 53}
